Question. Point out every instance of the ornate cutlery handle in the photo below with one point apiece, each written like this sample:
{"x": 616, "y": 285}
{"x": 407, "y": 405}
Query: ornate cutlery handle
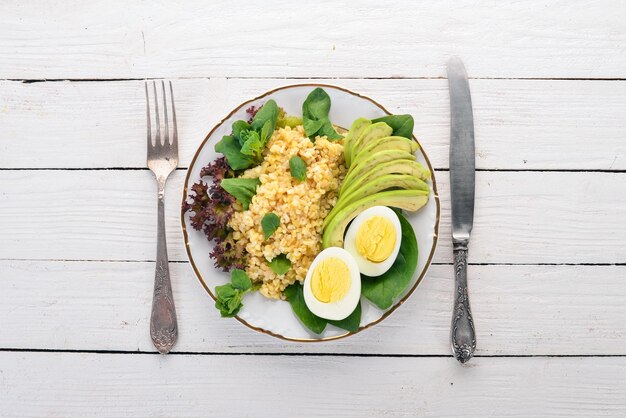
{"x": 463, "y": 337}
{"x": 163, "y": 324}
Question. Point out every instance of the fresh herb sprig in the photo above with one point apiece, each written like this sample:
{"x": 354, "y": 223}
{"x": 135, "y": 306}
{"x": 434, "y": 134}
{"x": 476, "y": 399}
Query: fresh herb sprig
{"x": 244, "y": 147}
{"x": 230, "y": 295}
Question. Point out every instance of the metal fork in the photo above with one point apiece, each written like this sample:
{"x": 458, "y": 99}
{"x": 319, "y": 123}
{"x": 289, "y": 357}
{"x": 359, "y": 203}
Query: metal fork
{"x": 162, "y": 160}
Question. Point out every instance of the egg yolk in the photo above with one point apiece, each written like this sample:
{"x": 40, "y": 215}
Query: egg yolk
{"x": 376, "y": 239}
{"x": 330, "y": 280}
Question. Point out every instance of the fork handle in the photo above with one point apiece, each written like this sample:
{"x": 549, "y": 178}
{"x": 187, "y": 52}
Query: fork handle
{"x": 163, "y": 324}
{"x": 463, "y": 335}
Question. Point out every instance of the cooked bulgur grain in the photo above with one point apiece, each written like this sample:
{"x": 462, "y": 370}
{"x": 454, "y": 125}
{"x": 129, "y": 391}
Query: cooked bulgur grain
{"x": 301, "y": 206}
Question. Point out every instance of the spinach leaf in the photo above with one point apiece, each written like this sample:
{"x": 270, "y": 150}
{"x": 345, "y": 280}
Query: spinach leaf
{"x": 266, "y": 132}
{"x": 352, "y": 322}
{"x": 280, "y": 264}
{"x": 253, "y": 146}
{"x": 269, "y": 112}
{"x": 315, "y": 115}
{"x": 239, "y": 127}
{"x": 270, "y": 223}
{"x": 385, "y": 289}
{"x": 242, "y": 189}
{"x": 402, "y": 125}
{"x": 297, "y": 166}
{"x": 240, "y": 280}
{"x": 230, "y": 147}
{"x": 295, "y": 297}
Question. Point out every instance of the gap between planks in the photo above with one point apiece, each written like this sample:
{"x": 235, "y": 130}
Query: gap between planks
{"x": 503, "y": 170}
{"x": 91, "y": 80}
{"x": 78, "y": 260}
{"x": 301, "y": 354}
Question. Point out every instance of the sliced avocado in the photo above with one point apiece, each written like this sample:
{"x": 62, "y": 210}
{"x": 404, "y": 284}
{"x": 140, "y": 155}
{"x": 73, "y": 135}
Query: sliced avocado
{"x": 388, "y": 142}
{"x": 410, "y": 200}
{"x": 370, "y": 162}
{"x": 412, "y": 168}
{"x": 357, "y": 128}
{"x": 373, "y": 131}
{"x": 380, "y": 183}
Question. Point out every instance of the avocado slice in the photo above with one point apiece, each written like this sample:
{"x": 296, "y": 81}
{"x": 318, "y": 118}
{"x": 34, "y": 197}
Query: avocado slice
{"x": 357, "y": 128}
{"x": 412, "y": 168}
{"x": 370, "y": 162}
{"x": 373, "y": 131}
{"x": 388, "y": 142}
{"x": 378, "y": 184}
{"x": 410, "y": 200}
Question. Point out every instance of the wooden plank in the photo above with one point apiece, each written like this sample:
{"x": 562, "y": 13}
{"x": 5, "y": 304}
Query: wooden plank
{"x": 519, "y": 310}
{"x": 56, "y": 384}
{"x": 532, "y": 39}
{"x": 521, "y": 217}
{"x": 520, "y": 124}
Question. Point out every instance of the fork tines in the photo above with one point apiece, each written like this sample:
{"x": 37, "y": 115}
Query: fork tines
{"x": 165, "y": 141}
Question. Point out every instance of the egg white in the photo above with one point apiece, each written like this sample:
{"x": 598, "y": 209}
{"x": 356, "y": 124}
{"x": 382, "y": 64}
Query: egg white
{"x": 367, "y": 267}
{"x": 341, "y": 308}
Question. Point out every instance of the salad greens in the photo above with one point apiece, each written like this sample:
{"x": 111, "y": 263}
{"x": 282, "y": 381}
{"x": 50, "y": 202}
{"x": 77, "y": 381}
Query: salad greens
{"x": 297, "y": 166}
{"x": 385, "y": 289}
{"x": 230, "y": 296}
{"x": 244, "y": 147}
{"x": 241, "y": 189}
{"x": 280, "y": 264}
{"x": 270, "y": 223}
{"x": 295, "y": 296}
{"x": 231, "y": 148}
{"x": 402, "y": 125}
{"x": 315, "y": 116}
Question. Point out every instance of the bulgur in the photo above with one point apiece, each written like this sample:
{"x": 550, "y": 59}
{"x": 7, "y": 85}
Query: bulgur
{"x": 301, "y": 206}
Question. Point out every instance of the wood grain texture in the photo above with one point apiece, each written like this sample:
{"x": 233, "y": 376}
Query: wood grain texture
{"x": 54, "y": 384}
{"x": 519, "y": 310}
{"x": 520, "y": 217}
{"x": 520, "y": 124}
{"x": 582, "y": 39}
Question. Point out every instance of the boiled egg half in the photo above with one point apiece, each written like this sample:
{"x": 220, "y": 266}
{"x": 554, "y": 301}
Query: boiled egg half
{"x": 373, "y": 239}
{"x": 332, "y": 287}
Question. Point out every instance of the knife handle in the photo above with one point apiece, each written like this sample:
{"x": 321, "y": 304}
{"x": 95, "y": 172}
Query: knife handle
{"x": 463, "y": 337}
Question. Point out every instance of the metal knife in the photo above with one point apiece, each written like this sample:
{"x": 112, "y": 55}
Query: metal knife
{"x": 462, "y": 181}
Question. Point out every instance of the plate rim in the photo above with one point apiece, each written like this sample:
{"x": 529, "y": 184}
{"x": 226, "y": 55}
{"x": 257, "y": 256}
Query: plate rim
{"x": 271, "y": 333}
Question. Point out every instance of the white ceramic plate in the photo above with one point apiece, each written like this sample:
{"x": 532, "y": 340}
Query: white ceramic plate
{"x": 276, "y": 317}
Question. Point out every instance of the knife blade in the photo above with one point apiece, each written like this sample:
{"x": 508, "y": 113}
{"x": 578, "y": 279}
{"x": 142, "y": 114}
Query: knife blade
{"x": 462, "y": 185}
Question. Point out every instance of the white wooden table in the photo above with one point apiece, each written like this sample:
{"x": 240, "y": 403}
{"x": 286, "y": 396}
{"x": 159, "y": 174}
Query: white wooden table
{"x": 78, "y": 221}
